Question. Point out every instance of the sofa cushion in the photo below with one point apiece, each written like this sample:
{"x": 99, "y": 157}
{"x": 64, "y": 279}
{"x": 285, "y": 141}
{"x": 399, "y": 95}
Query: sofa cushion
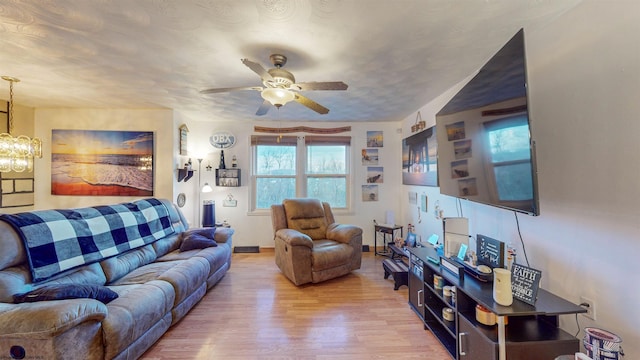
{"x": 185, "y": 276}
{"x": 167, "y": 244}
{"x": 329, "y": 254}
{"x": 215, "y": 256}
{"x": 118, "y": 266}
{"x": 138, "y": 308}
{"x": 12, "y": 247}
{"x": 68, "y": 291}
{"x": 306, "y": 216}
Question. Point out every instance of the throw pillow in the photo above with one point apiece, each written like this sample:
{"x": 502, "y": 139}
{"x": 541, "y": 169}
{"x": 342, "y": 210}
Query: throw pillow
{"x": 68, "y": 291}
{"x": 195, "y": 240}
{"x": 208, "y": 232}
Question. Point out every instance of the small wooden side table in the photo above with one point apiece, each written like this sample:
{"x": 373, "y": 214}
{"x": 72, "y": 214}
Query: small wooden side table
{"x": 386, "y": 231}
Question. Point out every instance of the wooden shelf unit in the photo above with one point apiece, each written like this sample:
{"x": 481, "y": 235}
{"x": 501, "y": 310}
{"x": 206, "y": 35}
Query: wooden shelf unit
{"x": 532, "y": 332}
{"x": 228, "y": 177}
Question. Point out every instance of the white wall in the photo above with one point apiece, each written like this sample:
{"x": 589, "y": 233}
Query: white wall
{"x": 584, "y": 88}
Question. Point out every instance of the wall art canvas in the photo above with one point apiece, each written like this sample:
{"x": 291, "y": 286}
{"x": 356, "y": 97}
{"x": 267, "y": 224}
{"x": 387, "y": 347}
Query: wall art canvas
{"x": 456, "y": 131}
{"x": 370, "y": 157}
{"x": 420, "y": 158}
{"x": 369, "y": 192}
{"x": 102, "y": 163}
{"x": 374, "y": 174}
{"x": 375, "y": 139}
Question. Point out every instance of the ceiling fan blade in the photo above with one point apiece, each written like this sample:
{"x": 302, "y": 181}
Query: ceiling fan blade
{"x": 258, "y": 69}
{"x": 220, "y": 90}
{"x": 311, "y": 104}
{"x": 263, "y": 108}
{"x": 327, "y": 85}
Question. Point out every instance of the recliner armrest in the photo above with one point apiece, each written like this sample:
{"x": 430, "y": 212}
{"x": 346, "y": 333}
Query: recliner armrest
{"x": 294, "y": 237}
{"x": 343, "y": 232}
{"x": 48, "y": 318}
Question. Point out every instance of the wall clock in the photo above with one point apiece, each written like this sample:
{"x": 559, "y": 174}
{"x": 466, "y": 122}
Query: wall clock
{"x": 182, "y": 199}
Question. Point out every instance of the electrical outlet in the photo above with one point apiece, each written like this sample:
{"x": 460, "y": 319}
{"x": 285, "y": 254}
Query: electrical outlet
{"x": 590, "y": 305}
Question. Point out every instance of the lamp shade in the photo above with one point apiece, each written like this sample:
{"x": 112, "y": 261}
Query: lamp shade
{"x": 277, "y": 96}
{"x": 207, "y": 188}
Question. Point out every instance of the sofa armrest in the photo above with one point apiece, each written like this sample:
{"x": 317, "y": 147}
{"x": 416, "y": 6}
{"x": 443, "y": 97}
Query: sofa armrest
{"x": 343, "y": 233}
{"x": 48, "y": 318}
{"x": 294, "y": 238}
{"x": 223, "y": 234}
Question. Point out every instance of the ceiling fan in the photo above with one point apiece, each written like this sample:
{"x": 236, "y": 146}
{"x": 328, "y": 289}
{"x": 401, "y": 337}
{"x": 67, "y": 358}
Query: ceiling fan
{"x": 280, "y": 86}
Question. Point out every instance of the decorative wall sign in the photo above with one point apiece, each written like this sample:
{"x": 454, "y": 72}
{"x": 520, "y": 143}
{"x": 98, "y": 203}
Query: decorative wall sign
{"x": 419, "y": 125}
{"x": 490, "y": 251}
{"x": 306, "y": 129}
{"x": 183, "y": 139}
{"x": 525, "y": 282}
{"x": 222, "y": 140}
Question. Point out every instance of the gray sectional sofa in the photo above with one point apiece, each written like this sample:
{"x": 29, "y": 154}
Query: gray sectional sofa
{"x": 156, "y": 282}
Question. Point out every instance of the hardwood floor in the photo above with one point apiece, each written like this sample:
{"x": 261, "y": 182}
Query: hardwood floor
{"x": 256, "y": 313}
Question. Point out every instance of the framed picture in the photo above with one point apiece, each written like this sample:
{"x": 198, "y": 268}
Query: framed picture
{"x": 410, "y": 241}
{"x": 369, "y": 192}
{"x": 101, "y": 163}
{"x": 420, "y": 158}
{"x": 374, "y": 174}
{"x": 375, "y": 139}
{"x": 370, "y": 157}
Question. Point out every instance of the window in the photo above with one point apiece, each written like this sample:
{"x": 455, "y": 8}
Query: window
{"x": 290, "y": 166}
{"x": 510, "y": 158}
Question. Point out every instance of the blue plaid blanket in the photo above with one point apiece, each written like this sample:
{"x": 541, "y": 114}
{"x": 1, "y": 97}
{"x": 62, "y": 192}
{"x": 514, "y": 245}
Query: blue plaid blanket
{"x": 59, "y": 240}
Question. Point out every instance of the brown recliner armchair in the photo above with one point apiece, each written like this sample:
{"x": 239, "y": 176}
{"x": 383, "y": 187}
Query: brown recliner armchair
{"x": 310, "y": 246}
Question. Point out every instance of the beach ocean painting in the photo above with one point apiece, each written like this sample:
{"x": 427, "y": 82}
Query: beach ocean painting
{"x": 102, "y": 163}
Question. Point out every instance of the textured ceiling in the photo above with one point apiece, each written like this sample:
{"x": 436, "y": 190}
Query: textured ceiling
{"x": 394, "y": 55}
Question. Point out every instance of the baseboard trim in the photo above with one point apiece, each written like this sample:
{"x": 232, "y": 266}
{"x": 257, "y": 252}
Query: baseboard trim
{"x": 246, "y": 249}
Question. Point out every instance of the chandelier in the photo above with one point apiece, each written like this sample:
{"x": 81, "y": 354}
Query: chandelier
{"x": 17, "y": 153}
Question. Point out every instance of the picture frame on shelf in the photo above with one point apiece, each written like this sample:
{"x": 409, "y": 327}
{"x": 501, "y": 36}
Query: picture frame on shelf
{"x": 410, "y": 241}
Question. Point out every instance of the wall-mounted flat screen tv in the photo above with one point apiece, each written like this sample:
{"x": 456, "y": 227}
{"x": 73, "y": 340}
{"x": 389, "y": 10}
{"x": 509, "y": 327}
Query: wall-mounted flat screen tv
{"x": 485, "y": 150}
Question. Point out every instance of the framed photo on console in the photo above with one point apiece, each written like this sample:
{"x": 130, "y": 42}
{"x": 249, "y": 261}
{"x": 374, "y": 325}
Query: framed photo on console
{"x": 410, "y": 241}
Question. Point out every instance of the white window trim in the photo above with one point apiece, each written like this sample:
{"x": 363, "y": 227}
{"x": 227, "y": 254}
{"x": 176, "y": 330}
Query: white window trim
{"x": 301, "y": 179}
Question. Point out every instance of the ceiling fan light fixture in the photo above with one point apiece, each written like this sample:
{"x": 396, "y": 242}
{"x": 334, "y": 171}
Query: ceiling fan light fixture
{"x": 277, "y": 96}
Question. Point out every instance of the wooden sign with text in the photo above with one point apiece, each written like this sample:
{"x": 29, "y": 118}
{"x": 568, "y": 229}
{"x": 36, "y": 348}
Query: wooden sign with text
{"x": 490, "y": 251}
{"x": 525, "y": 282}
